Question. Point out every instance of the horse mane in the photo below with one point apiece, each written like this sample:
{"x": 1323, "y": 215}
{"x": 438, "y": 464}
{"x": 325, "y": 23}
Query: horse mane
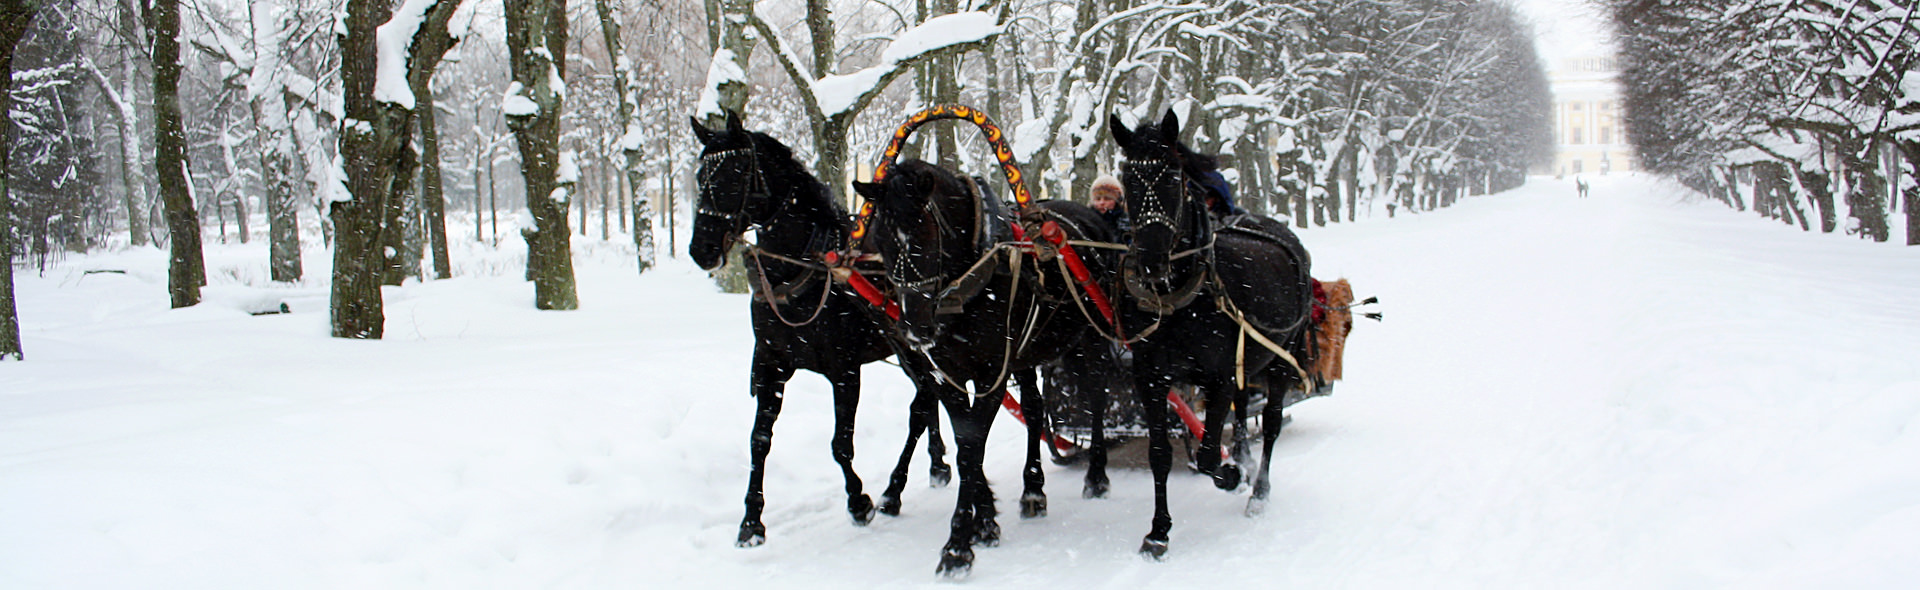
{"x": 1197, "y": 163}
{"x": 781, "y": 160}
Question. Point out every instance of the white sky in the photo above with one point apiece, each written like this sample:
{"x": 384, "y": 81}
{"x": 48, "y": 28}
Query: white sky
{"x": 1565, "y": 28}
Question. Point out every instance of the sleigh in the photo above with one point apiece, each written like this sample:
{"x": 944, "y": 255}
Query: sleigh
{"x": 1070, "y": 395}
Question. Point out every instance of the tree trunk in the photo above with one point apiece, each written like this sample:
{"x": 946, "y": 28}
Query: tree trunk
{"x": 1733, "y": 192}
{"x": 433, "y": 196}
{"x": 479, "y": 221}
{"x": 398, "y": 259}
{"x": 234, "y": 191}
{"x": 537, "y": 44}
{"x": 946, "y": 90}
{"x": 278, "y": 155}
{"x": 370, "y": 148}
{"x": 727, "y": 29}
{"x": 1866, "y": 191}
{"x": 283, "y": 212}
{"x": 1911, "y": 149}
{"x": 1815, "y": 183}
{"x": 15, "y": 17}
{"x": 186, "y": 268}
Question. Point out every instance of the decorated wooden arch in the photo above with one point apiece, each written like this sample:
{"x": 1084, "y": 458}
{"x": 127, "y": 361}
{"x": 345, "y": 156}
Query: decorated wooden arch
{"x": 995, "y": 138}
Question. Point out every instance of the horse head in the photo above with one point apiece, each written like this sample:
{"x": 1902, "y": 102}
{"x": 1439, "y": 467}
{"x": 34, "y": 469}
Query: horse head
{"x": 1166, "y": 212}
{"x": 923, "y": 228}
{"x": 734, "y": 192}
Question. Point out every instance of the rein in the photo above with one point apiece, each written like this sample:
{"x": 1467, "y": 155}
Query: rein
{"x": 768, "y": 294}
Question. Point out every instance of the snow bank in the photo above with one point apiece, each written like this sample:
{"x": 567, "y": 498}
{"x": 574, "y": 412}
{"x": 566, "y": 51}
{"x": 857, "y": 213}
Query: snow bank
{"x": 1637, "y": 389}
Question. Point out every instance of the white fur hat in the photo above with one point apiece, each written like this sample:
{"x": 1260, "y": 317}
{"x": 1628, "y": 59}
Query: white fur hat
{"x": 1107, "y": 181}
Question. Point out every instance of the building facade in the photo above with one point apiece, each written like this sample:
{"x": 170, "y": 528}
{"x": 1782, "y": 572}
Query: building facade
{"x": 1587, "y": 126}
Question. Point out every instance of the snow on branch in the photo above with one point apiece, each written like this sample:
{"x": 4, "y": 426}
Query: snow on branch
{"x": 839, "y": 94}
{"x": 721, "y": 71}
{"x": 515, "y": 103}
{"x": 395, "y": 39}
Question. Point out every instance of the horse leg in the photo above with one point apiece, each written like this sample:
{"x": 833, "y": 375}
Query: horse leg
{"x": 1225, "y": 476}
{"x": 1149, "y": 389}
{"x": 939, "y": 474}
{"x": 986, "y": 516}
{"x": 846, "y": 402}
{"x": 969, "y": 438}
{"x": 1270, "y": 419}
{"x": 1033, "y": 496}
{"x": 1242, "y": 440}
{"x": 897, "y": 481}
{"x": 1097, "y": 483}
{"x": 769, "y": 381}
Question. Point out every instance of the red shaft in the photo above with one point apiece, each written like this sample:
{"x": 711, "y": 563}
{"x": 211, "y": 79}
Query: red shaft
{"x": 872, "y": 295}
{"x": 1013, "y": 407}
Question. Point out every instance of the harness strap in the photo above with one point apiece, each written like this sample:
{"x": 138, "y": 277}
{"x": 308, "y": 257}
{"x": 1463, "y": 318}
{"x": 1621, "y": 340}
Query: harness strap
{"x": 767, "y": 293}
{"x": 1240, "y": 353}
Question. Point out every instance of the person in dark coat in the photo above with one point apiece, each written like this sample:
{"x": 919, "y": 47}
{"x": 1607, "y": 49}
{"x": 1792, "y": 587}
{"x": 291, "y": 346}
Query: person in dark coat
{"x": 1219, "y": 193}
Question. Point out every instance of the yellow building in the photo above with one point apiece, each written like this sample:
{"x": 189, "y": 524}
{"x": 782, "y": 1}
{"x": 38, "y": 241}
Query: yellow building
{"x": 1589, "y": 135}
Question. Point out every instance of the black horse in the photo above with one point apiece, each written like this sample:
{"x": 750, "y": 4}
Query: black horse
{"x": 1223, "y": 300}
{"x": 802, "y": 319}
{"x": 981, "y": 310}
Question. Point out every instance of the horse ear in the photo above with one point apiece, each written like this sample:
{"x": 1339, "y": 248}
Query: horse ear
{"x": 1121, "y": 134}
{"x": 1170, "y": 124}
{"x": 700, "y": 131}
{"x": 733, "y": 123}
{"x": 871, "y": 191}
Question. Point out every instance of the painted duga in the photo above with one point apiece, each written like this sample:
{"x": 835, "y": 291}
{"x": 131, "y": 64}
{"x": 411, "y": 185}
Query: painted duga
{"x": 981, "y": 311}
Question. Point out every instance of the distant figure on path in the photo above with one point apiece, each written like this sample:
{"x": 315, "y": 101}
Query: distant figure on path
{"x": 1582, "y": 185}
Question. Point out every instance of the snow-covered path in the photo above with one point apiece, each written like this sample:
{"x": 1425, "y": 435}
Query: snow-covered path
{"x": 1625, "y": 390}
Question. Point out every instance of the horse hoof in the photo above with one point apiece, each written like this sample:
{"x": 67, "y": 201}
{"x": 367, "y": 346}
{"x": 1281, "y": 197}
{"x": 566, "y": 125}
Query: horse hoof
{"x": 956, "y": 563}
{"x": 1033, "y": 505}
{"x": 1095, "y": 489}
{"x": 861, "y": 508}
{"x": 988, "y": 534}
{"x": 940, "y": 476}
{"x": 752, "y": 534}
{"x": 1227, "y": 477}
{"x": 890, "y": 505}
{"x": 1256, "y": 506}
{"x": 1154, "y": 549}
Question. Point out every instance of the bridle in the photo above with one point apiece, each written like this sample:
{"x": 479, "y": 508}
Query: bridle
{"x": 1172, "y": 214}
{"x": 757, "y": 191}
{"x": 1150, "y": 212}
{"x": 929, "y": 279}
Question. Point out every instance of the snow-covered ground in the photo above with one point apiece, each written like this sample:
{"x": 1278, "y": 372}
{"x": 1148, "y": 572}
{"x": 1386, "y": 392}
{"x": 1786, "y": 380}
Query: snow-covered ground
{"x": 1630, "y": 390}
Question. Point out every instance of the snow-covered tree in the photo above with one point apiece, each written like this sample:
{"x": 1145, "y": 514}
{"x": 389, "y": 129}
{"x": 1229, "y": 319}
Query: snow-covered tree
{"x": 381, "y": 53}
{"x": 15, "y": 17}
{"x": 52, "y": 173}
{"x": 187, "y": 270}
{"x": 537, "y": 50}
{"x": 1810, "y": 101}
